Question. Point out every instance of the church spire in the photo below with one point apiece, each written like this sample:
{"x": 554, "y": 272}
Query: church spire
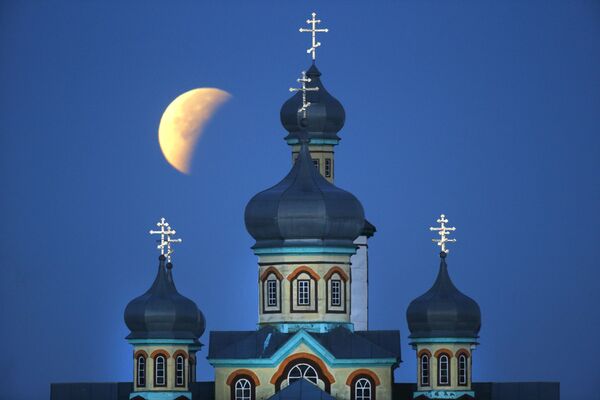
{"x": 314, "y": 111}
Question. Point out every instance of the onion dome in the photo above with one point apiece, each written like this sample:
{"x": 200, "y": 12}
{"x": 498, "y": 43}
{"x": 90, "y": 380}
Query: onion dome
{"x": 304, "y": 209}
{"x": 163, "y": 313}
{"x": 443, "y": 311}
{"x": 325, "y": 119}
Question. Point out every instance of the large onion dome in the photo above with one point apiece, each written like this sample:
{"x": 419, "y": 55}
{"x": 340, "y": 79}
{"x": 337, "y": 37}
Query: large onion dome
{"x": 304, "y": 209}
{"x": 443, "y": 311}
{"x": 326, "y": 117}
{"x": 163, "y": 313}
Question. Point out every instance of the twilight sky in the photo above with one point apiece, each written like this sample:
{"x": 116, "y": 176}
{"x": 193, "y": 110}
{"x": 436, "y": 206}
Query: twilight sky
{"x": 488, "y": 111}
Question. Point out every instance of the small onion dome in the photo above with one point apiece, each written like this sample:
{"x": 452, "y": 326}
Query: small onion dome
{"x": 304, "y": 209}
{"x": 324, "y": 117}
{"x": 162, "y": 313}
{"x": 443, "y": 311}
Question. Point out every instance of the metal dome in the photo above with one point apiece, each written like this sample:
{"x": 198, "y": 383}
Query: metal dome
{"x": 163, "y": 313}
{"x": 304, "y": 209}
{"x": 324, "y": 118}
{"x": 443, "y": 311}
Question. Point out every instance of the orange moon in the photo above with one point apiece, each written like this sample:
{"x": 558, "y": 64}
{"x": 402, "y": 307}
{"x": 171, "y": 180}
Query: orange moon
{"x": 183, "y": 122}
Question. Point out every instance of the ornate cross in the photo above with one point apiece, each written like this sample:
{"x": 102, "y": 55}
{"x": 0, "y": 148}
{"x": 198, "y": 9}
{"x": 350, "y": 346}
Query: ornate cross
{"x": 313, "y": 30}
{"x": 164, "y": 243}
{"x": 443, "y": 231}
{"x": 304, "y": 80}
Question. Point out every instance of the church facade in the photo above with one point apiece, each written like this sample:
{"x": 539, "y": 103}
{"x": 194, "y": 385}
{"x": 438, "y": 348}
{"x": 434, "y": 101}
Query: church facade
{"x": 313, "y": 340}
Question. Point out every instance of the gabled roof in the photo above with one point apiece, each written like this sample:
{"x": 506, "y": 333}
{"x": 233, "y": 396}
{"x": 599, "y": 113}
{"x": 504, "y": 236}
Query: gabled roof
{"x": 301, "y": 390}
{"x": 341, "y": 343}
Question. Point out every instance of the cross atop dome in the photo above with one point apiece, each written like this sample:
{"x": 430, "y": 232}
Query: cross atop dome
{"x": 165, "y": 241}
{"x": 313, "y": 30}
{"x": 443, "y": 231}
{"x": 303, "y": 81}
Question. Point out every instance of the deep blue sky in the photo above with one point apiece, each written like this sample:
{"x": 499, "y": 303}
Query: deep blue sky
{"x": 488, "y": 111}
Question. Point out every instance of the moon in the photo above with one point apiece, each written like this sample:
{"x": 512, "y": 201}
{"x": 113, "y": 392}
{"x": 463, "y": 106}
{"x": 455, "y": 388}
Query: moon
{"x": 183, "y": 122}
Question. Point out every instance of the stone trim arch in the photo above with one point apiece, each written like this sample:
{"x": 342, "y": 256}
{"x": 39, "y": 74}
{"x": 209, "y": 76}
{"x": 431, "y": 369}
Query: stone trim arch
{"x": 299, "y": 356}
{"x": 363, "y": 372}
{"x": 301, "y": 269}
{"x": 238, "y": 373}
{"x": 140, "y": 353}
{"x": 180, "y": 353}
{"x": 269, "y": 271}
{"x": 422, "y": 352}
{"x": 463, "y": 351}
{"x": 160, "y": 352}
{"x": 443, "y": 351}
{"x": 340, "y": 272}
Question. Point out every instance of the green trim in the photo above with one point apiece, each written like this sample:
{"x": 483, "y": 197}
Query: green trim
{"x": 333, "y": 142}
{"x": 443, "y": 340}
{"x": 310, "y": 326}
{"x": 304, "y": 250}
{"x": 161, "y": 341}
{"x": 444, "y": 394}
{"x": 160, "y": 395}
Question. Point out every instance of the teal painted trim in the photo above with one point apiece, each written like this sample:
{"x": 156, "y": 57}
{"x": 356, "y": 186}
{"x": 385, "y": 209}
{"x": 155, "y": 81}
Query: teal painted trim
{"x": 444, "y": 394}
{"x": 161, "y": 395}
{"x": 310, "y": 326}
{"x": 305, "y": 250}
{"x": 334, "y": 142}
{"x": 161, "y": 341}
{"x": 443, "y": 340}
{"x": 301, "y": 337}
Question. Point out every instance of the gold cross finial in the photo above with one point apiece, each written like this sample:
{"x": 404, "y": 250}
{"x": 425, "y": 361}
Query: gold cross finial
{"x": 443, "y": 231}
{"x": 164, "y": 243}
{"x": 313, "y": 30}
{"x": 304, "y": 80}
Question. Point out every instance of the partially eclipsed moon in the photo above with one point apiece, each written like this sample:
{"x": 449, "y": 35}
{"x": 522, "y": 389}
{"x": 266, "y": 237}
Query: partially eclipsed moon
{"x": 183, "y": 122}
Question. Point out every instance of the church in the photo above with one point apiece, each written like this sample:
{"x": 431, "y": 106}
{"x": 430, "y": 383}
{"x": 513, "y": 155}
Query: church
{"x": 313, "y": 339}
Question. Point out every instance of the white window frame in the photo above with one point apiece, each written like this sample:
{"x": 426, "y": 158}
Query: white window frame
{"x": 180, "y": 371}
{"x": 303, "y": 292}
{"x": 160, "y": 372}
{"x": 444, "y": 366}
{"x": 272, "y": 300}
{"x": 242, "y": 389}
{"x": 425, "y": 370}
{"x": 336, "y": 292}
{"x": 462, "y": 369}
{"x": 361, "y": 386}
{"x": 303, "y": 371}
{"x": 141, "y": 371}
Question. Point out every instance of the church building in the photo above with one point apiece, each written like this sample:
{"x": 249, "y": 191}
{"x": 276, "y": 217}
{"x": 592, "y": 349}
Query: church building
{"x": 313, "y": 339}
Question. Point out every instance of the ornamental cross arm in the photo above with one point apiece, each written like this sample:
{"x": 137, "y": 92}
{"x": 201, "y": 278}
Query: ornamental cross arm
{"x": 444, "y": 231}
{"x": 303, "y": 80}
{"x": 313, "y": 30}
{"x": 165, "y": 241}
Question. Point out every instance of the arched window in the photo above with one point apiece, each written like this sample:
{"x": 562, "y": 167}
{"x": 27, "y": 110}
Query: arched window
{"x": 271, "y": 290}
{"x": 303, "y": 290}
{"x": 179, "y": 371}
{"x": 140, "y": 365}
{"x": 160, "y": 370}
{"x": 242, "y": 390}
{"x": 425, "y": 370}
{"x": 443, "y": 370}
{"x": 302, "y": 371}
{"x": 363, "y": 389}
{"x": 462, "y": 369}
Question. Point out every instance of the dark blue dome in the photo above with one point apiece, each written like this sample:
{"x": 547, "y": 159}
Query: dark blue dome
{"x": 162, "y": 313}
{"x": 304, "y": 209}
{"x": 443, "y": 311}
{"x": 324, "y": 118}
